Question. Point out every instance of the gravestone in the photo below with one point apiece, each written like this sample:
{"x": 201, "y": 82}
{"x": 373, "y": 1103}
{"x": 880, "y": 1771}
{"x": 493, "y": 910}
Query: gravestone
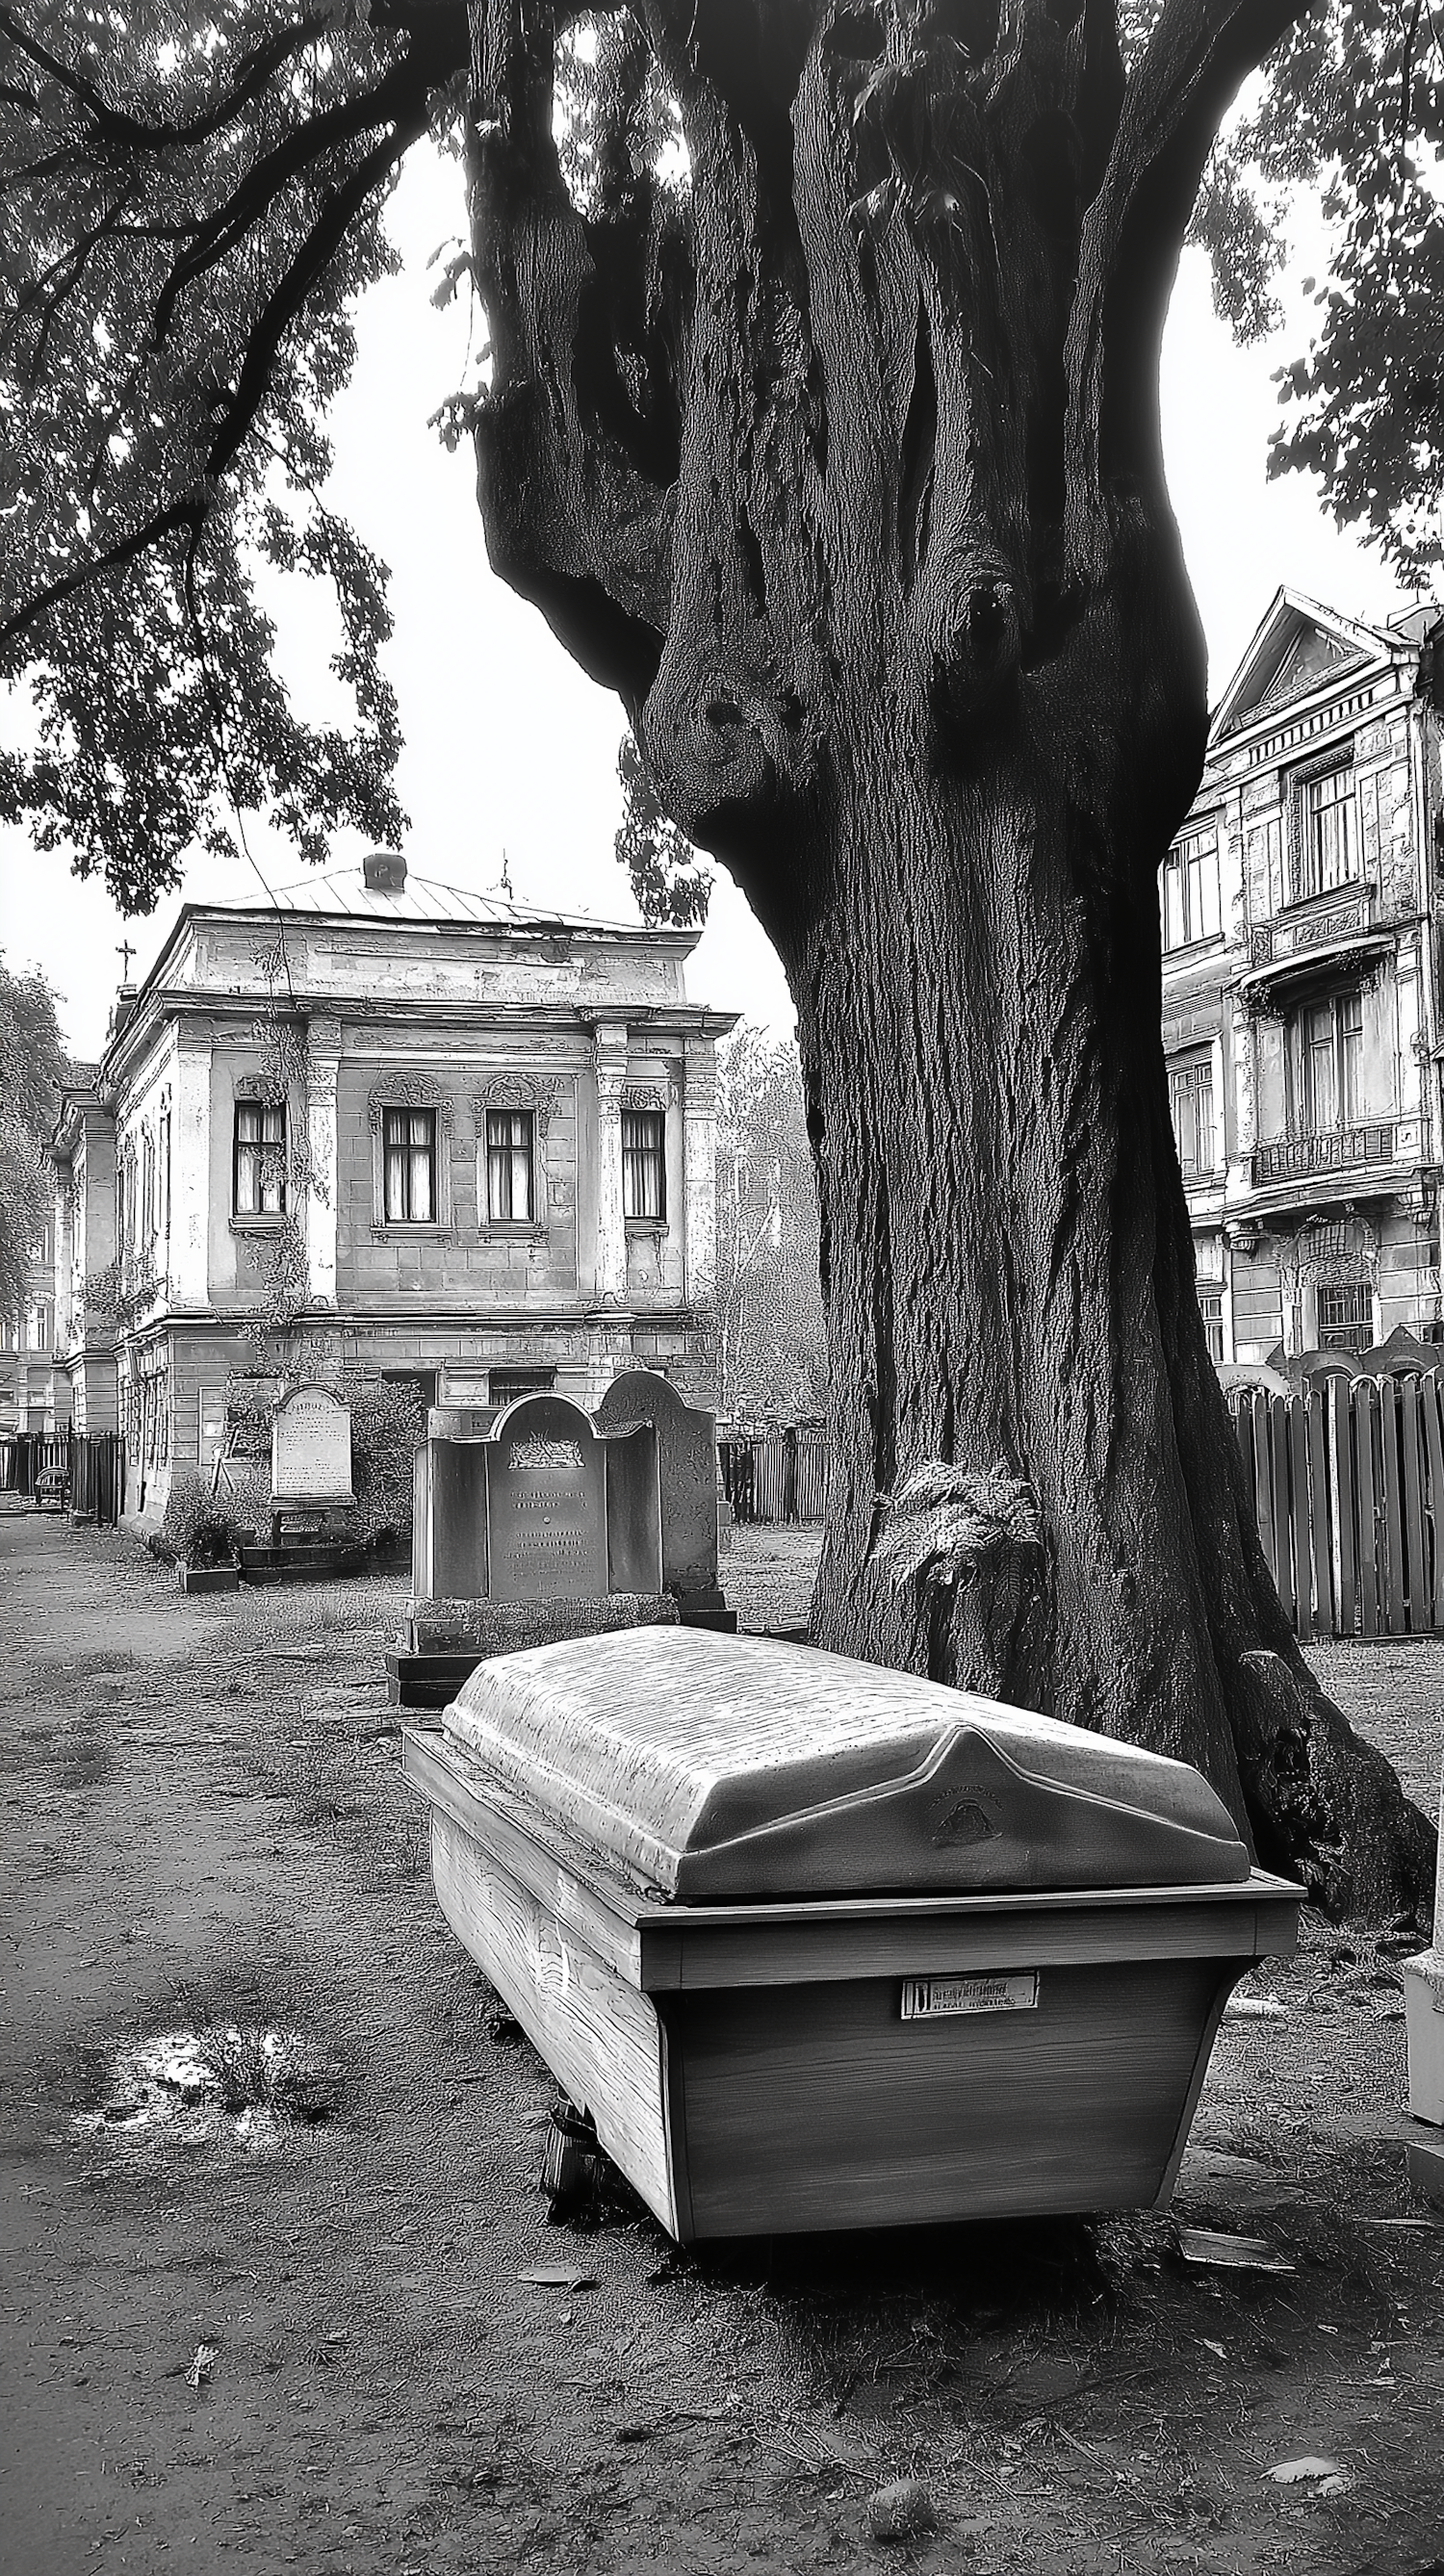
{"x": 687, "y": 1470}
{"x": 545, "y": 1513}
{"x": 310, "y": 1463}
{"x": 546, "y": 1504}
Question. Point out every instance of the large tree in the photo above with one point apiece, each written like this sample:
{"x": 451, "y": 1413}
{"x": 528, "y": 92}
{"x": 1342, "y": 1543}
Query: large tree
{"x": 822, "y": 425}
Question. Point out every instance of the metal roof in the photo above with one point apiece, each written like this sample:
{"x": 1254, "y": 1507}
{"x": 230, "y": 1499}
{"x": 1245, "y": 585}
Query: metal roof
{"x": 345, "y": 891}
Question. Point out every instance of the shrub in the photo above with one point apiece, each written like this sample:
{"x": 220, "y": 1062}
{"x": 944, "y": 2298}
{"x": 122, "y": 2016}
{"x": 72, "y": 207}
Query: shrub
{"x": 199, "y": 1528}
{"x": 387, "y": 1425}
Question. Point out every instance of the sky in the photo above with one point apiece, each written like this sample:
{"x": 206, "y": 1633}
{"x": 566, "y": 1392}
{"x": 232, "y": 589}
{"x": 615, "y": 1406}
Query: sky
{"x": 510, "y": 758}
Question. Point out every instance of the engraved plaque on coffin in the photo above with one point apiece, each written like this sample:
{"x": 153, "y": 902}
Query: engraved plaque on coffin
{"x": 546, "y": 1504}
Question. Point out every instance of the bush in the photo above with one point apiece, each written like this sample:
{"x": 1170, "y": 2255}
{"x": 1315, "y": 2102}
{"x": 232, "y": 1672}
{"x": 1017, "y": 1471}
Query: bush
{"x": 388, "y": 1424}
{"x": 199, "y": 1527}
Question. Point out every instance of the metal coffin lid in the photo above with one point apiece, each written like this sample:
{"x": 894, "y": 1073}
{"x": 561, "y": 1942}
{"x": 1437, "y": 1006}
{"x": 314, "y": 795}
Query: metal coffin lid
{"x": 714, "y": 1767}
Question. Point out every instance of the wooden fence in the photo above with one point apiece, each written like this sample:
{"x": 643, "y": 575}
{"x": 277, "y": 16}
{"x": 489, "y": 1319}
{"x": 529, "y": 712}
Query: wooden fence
{"x": 1347, "y": 1481}
{"x": 777, "y": 1476}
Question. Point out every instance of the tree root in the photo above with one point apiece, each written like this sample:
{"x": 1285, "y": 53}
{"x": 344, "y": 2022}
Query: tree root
{"x": 1327, "y": 1808}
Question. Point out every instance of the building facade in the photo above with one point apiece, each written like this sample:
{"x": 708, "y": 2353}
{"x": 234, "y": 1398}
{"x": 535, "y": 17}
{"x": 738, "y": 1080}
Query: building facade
{"x": 392, "y": 1128}
{"x": 27, "y": 1342}
{"x": 1300, "y": 910}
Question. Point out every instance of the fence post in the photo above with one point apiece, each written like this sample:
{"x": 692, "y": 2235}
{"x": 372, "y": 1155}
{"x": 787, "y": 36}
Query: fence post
{"x": 1434, "y": 1447}
{"x": 1411, "y": 1433}
{"x": 1368, "y": 1464}
{"x": 1393, "y": 1509}
{"x": 1319, "y": 1506}
{"x": 1341, "y": 1466}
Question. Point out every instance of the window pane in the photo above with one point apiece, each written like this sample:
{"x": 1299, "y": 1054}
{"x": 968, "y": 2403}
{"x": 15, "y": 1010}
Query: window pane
{"x": 508, "y": 1164}
{"x": 1173, "y": 930}
{"x": 1330, "y": 853}
{"x": 642, "y": 1163}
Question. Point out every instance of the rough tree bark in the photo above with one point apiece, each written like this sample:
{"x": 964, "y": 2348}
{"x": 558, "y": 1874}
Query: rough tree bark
{"x": 846, "y": 474}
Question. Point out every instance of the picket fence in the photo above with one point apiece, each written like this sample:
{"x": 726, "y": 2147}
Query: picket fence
{"x": 1347, "y": 1483}
{"x": 776, "y": 1475}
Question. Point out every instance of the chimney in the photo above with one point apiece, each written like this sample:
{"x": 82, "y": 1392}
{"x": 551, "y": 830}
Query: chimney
{"x": 384, "y": 872}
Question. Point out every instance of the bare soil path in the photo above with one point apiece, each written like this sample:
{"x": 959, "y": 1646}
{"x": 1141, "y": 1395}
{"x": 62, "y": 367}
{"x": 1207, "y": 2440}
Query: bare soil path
{"x": 204, "y": 1831}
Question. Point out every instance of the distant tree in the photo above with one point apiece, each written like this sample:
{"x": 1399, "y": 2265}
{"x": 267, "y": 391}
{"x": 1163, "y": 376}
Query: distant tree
{"x": 33, "y": 1065}
{"x": 771, "y": 1339}
{"x": 669, "y": 878}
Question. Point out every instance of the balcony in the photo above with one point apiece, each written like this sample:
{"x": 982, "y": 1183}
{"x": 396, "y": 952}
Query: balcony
{"x": 1388, "y": 1141}
{"x": 1311, "y": 943}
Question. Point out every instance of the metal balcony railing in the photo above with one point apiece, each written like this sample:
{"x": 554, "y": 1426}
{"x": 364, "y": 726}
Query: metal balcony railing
{"x": 1339, "y": 1149}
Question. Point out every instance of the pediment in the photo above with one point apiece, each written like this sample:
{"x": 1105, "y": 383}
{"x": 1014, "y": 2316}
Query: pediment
{"x": 1299, "y": 649}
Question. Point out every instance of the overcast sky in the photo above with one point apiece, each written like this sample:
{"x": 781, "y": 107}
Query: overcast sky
{"x": 510, "y": 753}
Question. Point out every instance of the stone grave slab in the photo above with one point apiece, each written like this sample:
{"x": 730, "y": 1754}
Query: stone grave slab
{"x": 311, "y": 1452}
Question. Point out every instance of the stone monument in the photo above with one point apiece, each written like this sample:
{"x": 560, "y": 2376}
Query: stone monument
{"x": 310, "y": 1465}
{"x": 687, "y": 1470}
{"x": 542, "y": 1528}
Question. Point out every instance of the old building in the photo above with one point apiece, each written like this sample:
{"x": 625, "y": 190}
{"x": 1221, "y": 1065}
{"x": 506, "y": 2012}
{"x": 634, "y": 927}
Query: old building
{"x": 1301, "y": 988}
{"x": 390, "y": 1127}
{"x": 27, "y": 1338}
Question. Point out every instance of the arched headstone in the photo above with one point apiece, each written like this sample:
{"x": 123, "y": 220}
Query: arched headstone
{"x": 687, "y": 1467}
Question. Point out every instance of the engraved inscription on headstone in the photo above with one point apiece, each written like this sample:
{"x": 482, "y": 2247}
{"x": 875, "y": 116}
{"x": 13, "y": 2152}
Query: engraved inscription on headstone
{"x": 546, "y": 1504}
{"x": 311, "y": 1449}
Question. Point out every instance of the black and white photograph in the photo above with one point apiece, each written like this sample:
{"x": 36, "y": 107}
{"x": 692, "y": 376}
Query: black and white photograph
{"x": 721, "y": 1303}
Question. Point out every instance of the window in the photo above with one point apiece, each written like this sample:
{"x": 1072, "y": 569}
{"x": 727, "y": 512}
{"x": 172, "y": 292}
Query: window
{"x": 1210, "y": 1307}
{"x": 1346, "y": 1316}
{"x": 1188, "y": 890}
{"x": 1326, "y": 1057}
{"x": 409, "y": 1157}
{"x": 260, "y": 1158}
{"x": 509, "y": 1165}
{"x": 1190, "y": 1098}
{"x": 504, "y": 1385}
{"x": 1329, "y": 832}
{"x": 644, "y": 1167}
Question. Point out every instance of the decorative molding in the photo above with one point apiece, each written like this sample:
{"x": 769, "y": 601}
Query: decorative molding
{"x": 643, "y": 1095}
{"x": 269, "y": 1087}
{"x": 516, "y": 1091}
{"x": 323, "y": 1034}
{"x": 408, "y": 1091}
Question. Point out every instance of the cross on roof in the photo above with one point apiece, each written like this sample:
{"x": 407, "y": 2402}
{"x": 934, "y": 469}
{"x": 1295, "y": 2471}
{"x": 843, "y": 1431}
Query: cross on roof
{"x": 125, "y": 952}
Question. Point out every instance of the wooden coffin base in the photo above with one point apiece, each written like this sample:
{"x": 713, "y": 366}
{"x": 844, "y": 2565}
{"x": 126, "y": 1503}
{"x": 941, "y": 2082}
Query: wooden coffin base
{"x": 749, "y": 2067}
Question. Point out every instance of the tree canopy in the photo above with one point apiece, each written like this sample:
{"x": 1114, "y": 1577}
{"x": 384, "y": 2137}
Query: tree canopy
{"x": 192, "y": 200}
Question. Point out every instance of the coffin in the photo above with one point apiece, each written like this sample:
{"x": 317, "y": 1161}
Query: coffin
{"x": 822, "y": 1946}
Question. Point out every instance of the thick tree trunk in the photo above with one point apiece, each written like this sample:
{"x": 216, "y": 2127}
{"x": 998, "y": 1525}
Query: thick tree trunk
{"x": 1010, "y": 1293}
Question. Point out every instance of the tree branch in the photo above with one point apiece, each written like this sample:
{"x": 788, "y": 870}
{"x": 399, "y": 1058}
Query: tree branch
{"x": 1133, "y": 232}
{"x": 573, "y": 521}
{"x": 188, "y": 513}
{"x": 137, "y": 133}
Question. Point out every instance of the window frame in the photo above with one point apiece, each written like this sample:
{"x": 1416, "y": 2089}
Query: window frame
{"x": 1314, "y": 878}
{"x": 1192, "y": 1074}
{"x": 1188, "y": 855}
{"x": 1341, "y": 1332}
{"x": 638, "y": 1157}
{"x": 1343, "y": 1048}
{"x": 256, "y": 1148}
{"x": 407, "y": 1147}
{"x": 502, "y": 1159}
{"x": 1210, "y": 1306}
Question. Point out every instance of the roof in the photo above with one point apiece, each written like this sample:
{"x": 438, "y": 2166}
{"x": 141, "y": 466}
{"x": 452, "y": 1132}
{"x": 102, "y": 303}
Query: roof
{"x": 344, "y": 891}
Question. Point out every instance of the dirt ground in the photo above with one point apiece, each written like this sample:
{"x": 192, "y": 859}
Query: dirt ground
{"x": 297, "y": 2333}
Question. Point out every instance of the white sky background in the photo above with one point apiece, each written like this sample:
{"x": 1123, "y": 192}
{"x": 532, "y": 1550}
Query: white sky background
{"x": 509, "y": 749}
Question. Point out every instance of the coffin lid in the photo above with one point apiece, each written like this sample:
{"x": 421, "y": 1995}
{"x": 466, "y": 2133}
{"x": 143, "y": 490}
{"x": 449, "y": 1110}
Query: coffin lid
{"x": 715, "y": 1768}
